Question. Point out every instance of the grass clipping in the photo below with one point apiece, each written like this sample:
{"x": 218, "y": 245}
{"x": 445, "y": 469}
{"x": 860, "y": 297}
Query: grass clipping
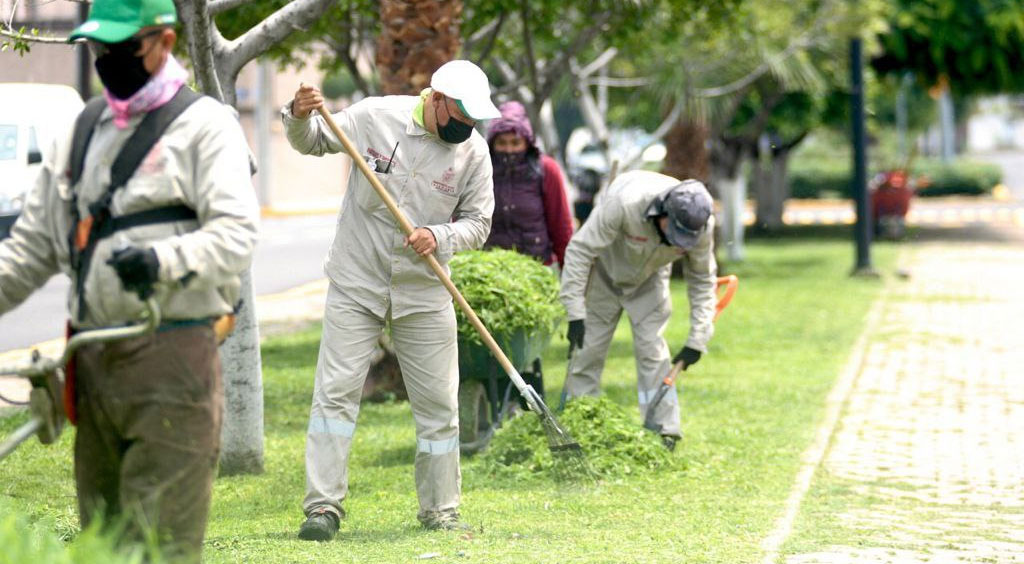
{"x": 614, "y": 443}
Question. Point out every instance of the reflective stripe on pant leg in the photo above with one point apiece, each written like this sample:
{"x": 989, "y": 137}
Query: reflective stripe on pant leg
{"x": 349, "y": 338}
{"x": 603, "y": 313}
{"x": 649, "y": 310}
{"x": 427, "y": 352}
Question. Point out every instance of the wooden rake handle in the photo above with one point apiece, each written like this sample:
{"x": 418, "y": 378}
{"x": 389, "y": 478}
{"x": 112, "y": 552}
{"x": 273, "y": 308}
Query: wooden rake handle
{"x": 407, "y": 228}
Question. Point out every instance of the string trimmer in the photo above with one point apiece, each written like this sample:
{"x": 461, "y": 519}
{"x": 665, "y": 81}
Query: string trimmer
{"x": 559, "y": 440}
{"x": 46, "y": 400}
{"x": 730, "y": 283}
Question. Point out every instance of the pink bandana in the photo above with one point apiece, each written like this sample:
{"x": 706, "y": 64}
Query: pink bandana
{"x": 157, "y": 92}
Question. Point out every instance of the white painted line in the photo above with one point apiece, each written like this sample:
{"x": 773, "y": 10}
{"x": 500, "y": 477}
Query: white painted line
{"x": 815, "y": 453}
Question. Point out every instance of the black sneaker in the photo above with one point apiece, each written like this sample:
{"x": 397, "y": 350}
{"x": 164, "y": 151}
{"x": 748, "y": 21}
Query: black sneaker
{"x": 321, "y": 525}
{"x": 669, "y": 441}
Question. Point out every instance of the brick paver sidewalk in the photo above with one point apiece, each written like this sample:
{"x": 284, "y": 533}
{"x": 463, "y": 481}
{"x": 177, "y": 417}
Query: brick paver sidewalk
{"x": 931, "y": 439}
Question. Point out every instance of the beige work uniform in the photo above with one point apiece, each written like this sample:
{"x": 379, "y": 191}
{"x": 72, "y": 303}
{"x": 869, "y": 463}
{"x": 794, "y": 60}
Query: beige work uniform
{"x": 202, "y": 161}
{"x": 149, "y": 408}
{"x": 617, "y": 261}
{"x": 374, "y": 278}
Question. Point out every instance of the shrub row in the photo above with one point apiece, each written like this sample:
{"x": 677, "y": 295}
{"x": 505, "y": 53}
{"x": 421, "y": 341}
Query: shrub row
{"x": 833, "y": 179}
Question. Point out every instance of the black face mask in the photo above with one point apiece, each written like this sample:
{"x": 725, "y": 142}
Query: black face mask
{"x": 510, "y": 159}
{"x": 121, "y": 70}
{"x": 454, "y": 131}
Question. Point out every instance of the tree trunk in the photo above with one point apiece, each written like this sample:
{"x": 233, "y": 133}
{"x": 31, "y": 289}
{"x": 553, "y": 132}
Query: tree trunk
{"x": 687, "y": 154}
{"x": 772, "y": 178}
{"x": 241, "y": 443}
{"x": 727, "y": 175}
{"x": 416, "y": 37}
{"x": 771, "y": 203}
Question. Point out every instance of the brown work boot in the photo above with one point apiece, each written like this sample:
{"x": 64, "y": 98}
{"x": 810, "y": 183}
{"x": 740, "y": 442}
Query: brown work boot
{"x": 447, "y": 520}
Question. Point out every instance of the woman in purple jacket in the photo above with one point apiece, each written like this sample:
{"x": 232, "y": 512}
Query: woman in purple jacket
{"x": 531, "y": 211}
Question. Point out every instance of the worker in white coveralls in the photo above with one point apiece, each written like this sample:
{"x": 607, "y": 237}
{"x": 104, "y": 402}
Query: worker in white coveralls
{"x": 620, "y": 259}
{"x": 427, "y": 154}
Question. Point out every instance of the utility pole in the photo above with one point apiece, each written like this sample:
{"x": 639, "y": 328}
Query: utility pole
{"x": 862, "y": 229}
{"x": 84, "y": 64}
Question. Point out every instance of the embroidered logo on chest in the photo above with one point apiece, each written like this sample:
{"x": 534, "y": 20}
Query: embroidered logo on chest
{"x": 444, "y": 186}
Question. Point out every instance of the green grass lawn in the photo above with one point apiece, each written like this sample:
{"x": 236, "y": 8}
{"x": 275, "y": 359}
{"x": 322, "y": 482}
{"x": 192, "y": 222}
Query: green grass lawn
{"x": 749, "y": 410}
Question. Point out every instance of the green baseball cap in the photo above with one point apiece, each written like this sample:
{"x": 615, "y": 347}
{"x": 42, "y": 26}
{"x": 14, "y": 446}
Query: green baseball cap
{"x": 113, "y": 21}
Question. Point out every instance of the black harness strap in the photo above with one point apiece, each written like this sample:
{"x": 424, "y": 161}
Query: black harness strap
{"x": 135, "y": 149}
{"x": 84, "y": 126}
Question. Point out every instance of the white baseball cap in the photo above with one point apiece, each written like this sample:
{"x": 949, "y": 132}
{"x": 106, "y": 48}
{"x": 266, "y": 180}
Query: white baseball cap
{"x": 466, "y": 83}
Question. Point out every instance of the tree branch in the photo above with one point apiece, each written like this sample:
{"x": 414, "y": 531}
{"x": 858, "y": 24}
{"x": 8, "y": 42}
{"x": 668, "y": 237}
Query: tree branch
{"x": 531, "y": 61}
{"x": 199, "y": 30}
{"x": 617, "y": 82}
{"x": 29, "y": 38}
{"x": 220, "y": 6}
{"x": 752, "y": 76}
{"x": 558, "y": 68}
{"x": 297, "y": 14}
{"x": 601, "y": 60}
{"x": 492, "y": 40}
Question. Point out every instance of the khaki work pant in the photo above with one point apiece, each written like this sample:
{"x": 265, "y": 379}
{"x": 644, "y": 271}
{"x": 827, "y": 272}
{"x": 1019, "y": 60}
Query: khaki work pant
{"x": 428, "y": 355}
{"x": 148, "y": 439}
{"x": 649, "y": 308}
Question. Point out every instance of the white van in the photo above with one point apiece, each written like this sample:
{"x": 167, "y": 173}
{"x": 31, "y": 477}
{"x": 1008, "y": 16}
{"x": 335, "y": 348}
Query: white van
{"x": 32, "y": 116}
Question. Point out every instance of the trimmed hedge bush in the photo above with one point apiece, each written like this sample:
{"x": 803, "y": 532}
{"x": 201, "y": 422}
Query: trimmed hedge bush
{"x": 832, "y": 178}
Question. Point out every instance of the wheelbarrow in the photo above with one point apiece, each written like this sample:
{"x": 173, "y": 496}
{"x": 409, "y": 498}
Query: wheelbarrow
{"x": 486, "y": 395}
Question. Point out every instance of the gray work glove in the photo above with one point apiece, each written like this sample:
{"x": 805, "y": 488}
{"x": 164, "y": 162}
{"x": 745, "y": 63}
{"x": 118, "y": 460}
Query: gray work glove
{"x": 688, "y": 356}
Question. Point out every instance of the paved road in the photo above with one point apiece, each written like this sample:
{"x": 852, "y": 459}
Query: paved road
{"x": 290, "y": 253}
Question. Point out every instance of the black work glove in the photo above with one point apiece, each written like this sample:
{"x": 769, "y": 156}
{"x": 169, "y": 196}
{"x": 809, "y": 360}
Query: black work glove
{"x": 688, "y": 356}
{"x": 575, "y": 334}
{"x": 137, "y": 268}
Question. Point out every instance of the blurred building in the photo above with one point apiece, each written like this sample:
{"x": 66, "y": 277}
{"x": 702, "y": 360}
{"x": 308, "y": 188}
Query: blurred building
{"x": 997, "y": 125}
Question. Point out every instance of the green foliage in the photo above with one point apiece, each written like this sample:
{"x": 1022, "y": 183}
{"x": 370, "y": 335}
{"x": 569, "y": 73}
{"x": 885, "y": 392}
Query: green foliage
{"x": 509, "y": 292}
{"x": 18, "y": 41}
{"x": 960, "y": 177}
{"x": 613, "y": 440}
{"x": 22, "y": 541}
{"x": 832, "y": 178}
{"x": 977, "y": 44}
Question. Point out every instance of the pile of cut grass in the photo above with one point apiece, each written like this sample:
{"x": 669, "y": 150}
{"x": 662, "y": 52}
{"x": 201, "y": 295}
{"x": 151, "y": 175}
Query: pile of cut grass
{"x": 613, "y": 440}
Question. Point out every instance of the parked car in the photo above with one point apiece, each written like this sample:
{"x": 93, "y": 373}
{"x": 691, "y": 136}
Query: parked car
{"x": 32, "y": 117}
{"x": 588, "y": 168}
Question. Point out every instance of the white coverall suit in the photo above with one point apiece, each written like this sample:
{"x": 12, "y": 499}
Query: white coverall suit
{"x": 374, "y": 277}
{"x": 618, "y": 261}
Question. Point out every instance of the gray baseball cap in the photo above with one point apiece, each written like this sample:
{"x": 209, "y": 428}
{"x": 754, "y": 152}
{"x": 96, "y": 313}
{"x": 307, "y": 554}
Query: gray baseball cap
{"x": 688, "y": 206}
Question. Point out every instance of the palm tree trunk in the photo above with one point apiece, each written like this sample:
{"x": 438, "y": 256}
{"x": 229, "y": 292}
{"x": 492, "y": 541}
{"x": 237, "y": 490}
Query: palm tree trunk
{"x": 416, "y": 37}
